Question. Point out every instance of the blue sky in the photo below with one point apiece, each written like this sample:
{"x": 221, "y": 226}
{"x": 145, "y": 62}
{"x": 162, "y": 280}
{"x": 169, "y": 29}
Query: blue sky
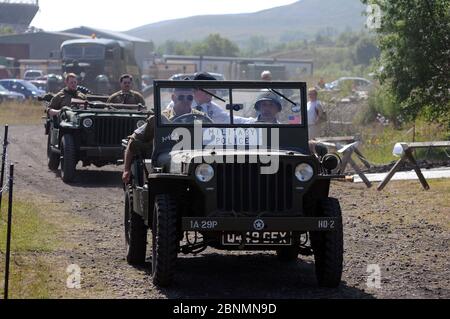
{"x": 57, "y": 15}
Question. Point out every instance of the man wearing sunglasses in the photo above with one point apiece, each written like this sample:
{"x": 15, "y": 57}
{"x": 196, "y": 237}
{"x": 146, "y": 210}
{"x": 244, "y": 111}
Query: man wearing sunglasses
{"x": 142, "y": 139}
{"x": 126, "y": 95}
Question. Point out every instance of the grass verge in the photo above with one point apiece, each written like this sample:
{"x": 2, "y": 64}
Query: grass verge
{"x": 27, "y": 113}
{"x": 379, "y": 141}
{"x": 39, "y": 246}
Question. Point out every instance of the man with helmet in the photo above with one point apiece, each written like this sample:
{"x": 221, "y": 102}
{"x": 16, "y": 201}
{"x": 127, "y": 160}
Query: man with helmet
{"x": 268, "y": 106}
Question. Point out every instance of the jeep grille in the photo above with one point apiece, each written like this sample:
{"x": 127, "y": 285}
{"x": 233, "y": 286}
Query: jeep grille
{"x": 242, "y": 188}
{"x": 111, "y": 131}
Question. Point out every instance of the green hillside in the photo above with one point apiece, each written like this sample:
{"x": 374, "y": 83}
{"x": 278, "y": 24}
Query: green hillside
{"x": 300, "y": 20}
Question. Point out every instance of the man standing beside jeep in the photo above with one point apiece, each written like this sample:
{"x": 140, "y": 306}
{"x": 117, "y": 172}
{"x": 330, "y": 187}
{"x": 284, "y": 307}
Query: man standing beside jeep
{"x": 65, "y": 96}
{"x": 126, "y": 95}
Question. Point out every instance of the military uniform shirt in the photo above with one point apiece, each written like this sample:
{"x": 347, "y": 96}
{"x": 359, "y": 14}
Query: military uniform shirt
{"x": 64, "y": 98}
{"x": 131, "y": 97}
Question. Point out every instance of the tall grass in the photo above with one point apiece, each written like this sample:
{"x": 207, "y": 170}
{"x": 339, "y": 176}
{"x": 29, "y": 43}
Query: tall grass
{"x": 26, "y": 113}
{"x": 32, "y": 236}
{"x": 379, "y": 141}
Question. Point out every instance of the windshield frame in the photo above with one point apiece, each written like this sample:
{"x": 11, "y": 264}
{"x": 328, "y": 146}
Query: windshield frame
{"x": 83, "y": 47}
{"x": 230, "y": 86}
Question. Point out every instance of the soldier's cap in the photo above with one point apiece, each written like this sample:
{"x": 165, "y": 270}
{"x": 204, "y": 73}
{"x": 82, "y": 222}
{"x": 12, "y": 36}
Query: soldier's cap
{"x": 268, "y": 96}
{"x": 184, "y": 90}
{"x": 204, "y": 76}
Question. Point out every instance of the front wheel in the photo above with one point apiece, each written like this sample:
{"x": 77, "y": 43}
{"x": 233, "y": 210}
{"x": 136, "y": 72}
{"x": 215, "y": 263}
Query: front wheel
{"x": 68, "y": 158}
{"x": 328, "y": 246}
{"x": 164, "y": 240}
{"x": 135, "y": 233}
{"x": 52, "y": 157}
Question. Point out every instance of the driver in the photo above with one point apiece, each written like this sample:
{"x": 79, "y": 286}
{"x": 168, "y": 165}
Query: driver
{"x": 65, "y": 96}
{"x": 268, "y": 105}
{"x": 142, "y": 139}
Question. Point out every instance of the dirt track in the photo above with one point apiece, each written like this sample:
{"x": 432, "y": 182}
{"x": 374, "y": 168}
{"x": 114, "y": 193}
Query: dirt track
{"x": 407, "y": 237}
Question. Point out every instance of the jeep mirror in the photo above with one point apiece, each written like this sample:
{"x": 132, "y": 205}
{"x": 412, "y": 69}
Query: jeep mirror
{"x": 235, "y": 107}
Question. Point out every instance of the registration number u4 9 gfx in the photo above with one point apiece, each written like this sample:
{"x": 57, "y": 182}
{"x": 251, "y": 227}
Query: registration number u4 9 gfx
{"x": 257, "y": 239}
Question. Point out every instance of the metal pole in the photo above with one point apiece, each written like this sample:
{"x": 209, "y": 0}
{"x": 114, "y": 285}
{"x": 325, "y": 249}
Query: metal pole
{"x": 8, "y": 234}
{"x": 2, "y": 177}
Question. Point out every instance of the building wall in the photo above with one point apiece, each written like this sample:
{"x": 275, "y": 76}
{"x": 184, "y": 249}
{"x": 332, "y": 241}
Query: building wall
{"x": 41, "y": 45}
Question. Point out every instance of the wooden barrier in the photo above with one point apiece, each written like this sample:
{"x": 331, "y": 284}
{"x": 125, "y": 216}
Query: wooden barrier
{"x": 347, "y": 146}
{"x": 408, "y": 155}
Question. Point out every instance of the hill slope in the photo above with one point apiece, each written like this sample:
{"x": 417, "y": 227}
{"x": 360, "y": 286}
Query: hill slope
{"x": 300, "y": 20}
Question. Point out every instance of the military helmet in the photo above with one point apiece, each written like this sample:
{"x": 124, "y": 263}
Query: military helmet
{"x": 268, "y": 96}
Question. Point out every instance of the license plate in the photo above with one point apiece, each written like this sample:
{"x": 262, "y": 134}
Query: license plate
{"x": 258, "y": 239}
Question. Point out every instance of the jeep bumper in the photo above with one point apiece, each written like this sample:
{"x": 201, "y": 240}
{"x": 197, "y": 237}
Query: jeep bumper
{"x": 270, "y": 224}
{"x": 103, "y": 152}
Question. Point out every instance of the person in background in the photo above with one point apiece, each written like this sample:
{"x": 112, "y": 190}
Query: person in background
{"x": 316, "y": 114}
{"x": 266, "y": 76}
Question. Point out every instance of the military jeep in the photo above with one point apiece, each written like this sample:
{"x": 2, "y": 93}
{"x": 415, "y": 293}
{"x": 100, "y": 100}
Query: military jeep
{"x": 90, "y": 132}
{"x": 245, "y": 185}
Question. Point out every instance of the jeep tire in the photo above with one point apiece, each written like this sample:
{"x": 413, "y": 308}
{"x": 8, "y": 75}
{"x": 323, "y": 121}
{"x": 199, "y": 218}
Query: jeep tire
{"x": 135, "y": 232}
{"x": 164, "y": 240}
{"x": 328, "y": 247}
{"x": 68, "y": 158}
{"x": 53, "y": 158}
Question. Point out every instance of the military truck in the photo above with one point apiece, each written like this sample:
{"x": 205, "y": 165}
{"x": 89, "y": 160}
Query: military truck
{"x": 245, "y": 185}
{"x": 99, "y": 63}
{"x": 90, "y": 132}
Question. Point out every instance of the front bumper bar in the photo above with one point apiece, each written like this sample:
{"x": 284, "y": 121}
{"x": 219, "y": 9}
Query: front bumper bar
{"x": 103, "y": 151}
{"x": 270, "y": 224}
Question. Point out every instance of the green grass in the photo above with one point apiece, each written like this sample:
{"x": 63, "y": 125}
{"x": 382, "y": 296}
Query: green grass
{"x": 32, "y": 238}
{"x": 379, "y": 141}
{"x": 28, "y": 113}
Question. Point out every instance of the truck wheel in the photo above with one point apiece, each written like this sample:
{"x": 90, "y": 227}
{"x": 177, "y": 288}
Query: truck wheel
{"x": 52, "y": 157}
{"x": 288, "y": 254}
{"x": 164, "y": 240}
{"x": 328, "y": 246}
{"x": 68, "y": 159}
{"x": 135, "y": 233}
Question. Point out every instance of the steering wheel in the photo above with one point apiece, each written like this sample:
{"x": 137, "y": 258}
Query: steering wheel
{"x": 191, "y": 118}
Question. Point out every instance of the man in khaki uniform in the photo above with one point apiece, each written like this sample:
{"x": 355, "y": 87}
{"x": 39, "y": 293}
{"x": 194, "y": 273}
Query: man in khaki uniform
{"x": 126, "y": 95}
{"x": 65, "y": 96}
{"x": 143, "y": 137}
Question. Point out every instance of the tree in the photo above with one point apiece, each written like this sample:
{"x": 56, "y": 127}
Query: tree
{"x": 6, "y": 30}
{"x": 215, "y": 45}
{"x": 365, "y": 50}
{"x": 415, "y": 56}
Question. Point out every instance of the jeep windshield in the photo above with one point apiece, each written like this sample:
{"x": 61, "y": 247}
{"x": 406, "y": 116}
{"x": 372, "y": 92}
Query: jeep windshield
{"x": 84, "y": 52}
{"x": 255, "y": 104}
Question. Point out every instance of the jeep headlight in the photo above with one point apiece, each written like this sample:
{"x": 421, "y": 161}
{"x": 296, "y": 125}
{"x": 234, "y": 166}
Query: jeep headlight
{"x": 88, "y": 123}
{"x": 204, "y": 173}
{"x": 140, "y": 123}
{"x": 304, "y": 172}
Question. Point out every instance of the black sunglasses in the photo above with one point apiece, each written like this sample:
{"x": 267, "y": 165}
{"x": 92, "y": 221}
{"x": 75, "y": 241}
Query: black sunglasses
{"x": 189, "y": 98}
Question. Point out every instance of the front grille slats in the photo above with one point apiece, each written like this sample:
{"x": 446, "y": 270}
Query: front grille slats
{"x": 242, "y": 188}
{"x": 111, "y": 131}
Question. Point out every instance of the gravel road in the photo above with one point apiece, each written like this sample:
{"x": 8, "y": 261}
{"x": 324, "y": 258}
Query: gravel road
{"x": 395, "y": 236}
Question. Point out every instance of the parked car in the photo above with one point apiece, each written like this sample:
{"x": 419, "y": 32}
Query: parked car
{"x": 40, "y": 84}
{"x": 6, "y": 95}
{"x": 357, "y": 84}
{"x": 21, "y": 86}
{"x": 32, "y": 75}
